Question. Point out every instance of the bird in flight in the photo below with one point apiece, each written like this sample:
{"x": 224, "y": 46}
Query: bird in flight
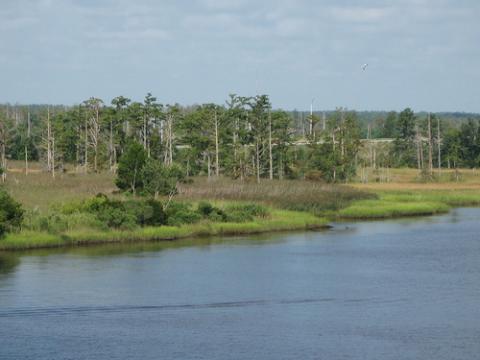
{"x": 364, "y": 66}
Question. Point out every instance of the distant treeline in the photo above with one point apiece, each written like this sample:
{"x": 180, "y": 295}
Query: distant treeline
{"x": 244, "y": 138}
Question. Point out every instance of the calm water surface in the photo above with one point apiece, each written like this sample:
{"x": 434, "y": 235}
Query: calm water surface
{"x": 407, "y": 289}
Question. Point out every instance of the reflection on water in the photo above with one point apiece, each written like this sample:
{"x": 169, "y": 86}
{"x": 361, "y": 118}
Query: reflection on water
{"x": 8, "y": 262}
{"x": 407, "y": 288}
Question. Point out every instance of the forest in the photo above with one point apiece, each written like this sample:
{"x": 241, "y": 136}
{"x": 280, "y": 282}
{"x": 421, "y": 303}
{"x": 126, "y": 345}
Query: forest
{"x": 245, "y": 138}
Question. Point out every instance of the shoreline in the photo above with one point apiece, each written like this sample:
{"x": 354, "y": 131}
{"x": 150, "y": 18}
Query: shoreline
{"x": 281, "y": 220}
{"x": 387, "y": 205}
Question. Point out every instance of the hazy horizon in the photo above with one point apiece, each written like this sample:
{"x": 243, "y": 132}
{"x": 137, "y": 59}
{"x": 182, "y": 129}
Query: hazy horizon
{"x": 421, "y": 54}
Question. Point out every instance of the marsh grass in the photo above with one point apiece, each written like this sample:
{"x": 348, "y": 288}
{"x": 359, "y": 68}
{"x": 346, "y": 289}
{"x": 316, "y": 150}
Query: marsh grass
{"x": 40, "y": 191}
{"x": 382, "y": 209}
{"x": 279, "y": 220}
{"x": 299, "y": 195}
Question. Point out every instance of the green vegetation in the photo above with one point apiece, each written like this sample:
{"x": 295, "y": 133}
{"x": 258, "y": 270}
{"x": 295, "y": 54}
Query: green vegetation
{"x": 409, "y": 203}
{"x": 310, "y": 196}
{"x": 380, "y": 209}
{"x": 277, "y": 220}
{"x": 11, "y": 213}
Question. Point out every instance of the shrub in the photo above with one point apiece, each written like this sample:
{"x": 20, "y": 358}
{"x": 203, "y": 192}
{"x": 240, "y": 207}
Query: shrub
{"x": 181, "y": 213}
{"x": 245, "y": 212}
{"x": 148, "y": 212}
{"x": 254, "y": 210}
{"x": 11, "y": 213}
{"x": 184, "y": 217}
{"x": 205, "y": 208}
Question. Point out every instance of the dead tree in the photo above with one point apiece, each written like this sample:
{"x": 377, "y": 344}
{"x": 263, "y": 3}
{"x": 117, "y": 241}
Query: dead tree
{"x": 430, "y": 145}
{"x": 270, "y": 156}
{"x": 217, "y": 155}
{"x": 168, "y": 155}
{"x": 49, "y": 145}
{"x": 3, "y": 150}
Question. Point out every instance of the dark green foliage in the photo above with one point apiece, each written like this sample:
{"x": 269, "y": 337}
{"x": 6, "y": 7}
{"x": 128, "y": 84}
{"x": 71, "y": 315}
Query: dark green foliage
{"x": 211, "y": 212}
{"x": 205, "y": 208}
{"x": 404, "y": 145}
{"x": 245, "y": 212}
{"x": 158, "y": 179}
{"x": 335, "y": 156}
{"x": 125, "y": 214}
{"x": 129, "y": 177}
{"x": 11, "y": 213}
{"x": 110, "y": 212}
{"x": 147, "y": 212}
{"x": 181, "y": 213}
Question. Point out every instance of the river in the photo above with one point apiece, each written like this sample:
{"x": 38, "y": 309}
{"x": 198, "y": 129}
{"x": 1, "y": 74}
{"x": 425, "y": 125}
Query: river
{"x": 399, "y": 289}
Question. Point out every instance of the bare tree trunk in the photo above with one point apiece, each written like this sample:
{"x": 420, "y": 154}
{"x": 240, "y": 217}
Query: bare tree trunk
{"x": 419, "y": 149}
{"x": 168, "y": 157}
{"x": 208, "y": 166}
{"x": 270, "y": 157}
{"x": 217, "y": 166}
{"x": 85, "y": 157}
{"x": 144, "y": 131}
{"x": 439, "y": 147}
{"x": 3, "y": 149}
{"x": 95, "y": 136}
{"x": 235, "y": 148}
{"x": 430, "y": 146}
{"x": 53, "y": 155}
{"x": 257, "y": 153}
{"x": 49, "y": 142}
{"x": 110, "y": 148}
{"x": 170, "y": 143}
{"x": 26, "y": 145}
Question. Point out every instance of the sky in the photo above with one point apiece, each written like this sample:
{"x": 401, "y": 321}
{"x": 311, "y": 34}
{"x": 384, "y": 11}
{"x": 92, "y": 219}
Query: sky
{"x": 423, "y": 54}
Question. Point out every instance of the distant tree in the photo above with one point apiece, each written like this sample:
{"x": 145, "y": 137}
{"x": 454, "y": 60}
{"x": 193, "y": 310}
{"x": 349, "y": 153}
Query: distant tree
{"x": 389, "y": 125}
{"x": 118, "y": 125}
{"x": 130, "y": 165}
{"x": 94, "y": 125}
{"x": 335, "y": 156}
{"x": 404, "y": 145}
{"x": 159, "y": 179}
{"x": 470, "y": 143}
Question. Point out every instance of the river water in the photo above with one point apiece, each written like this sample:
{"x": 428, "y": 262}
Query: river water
{"x": 402, "y": 289}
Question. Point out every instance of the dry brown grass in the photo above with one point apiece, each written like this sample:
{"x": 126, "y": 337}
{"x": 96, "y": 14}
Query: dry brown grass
{"x": 287, "y": 194}
{"x": 408, "y": 179}
{"x": 39, "y": 190}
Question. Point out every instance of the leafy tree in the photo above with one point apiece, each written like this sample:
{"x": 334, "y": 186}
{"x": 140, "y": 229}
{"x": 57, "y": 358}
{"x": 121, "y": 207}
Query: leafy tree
{"x": 131, "y": 163}
{"x": 404, "y": 144}
{"x": 469, "y": 138}
{"x": 159, "y": 179}
{"x": 335, "y": 156}
{"x": 11, "y": 213}
{"x": 388, "y": 130}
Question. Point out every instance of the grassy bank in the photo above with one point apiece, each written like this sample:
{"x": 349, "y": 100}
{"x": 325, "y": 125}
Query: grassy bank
{"x": 279, "y": 220}
{"x": 420, "y": 202}
{"x": 292, "y": 205}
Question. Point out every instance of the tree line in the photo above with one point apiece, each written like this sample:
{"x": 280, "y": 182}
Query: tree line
{"x": 243, "y": 138}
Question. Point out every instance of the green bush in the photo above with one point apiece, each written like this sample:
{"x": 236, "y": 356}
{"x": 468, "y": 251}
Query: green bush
{"x": 11, "y": 213}
{"x": 57, "y": 222}
{"x": 181, "y": 213}
{"x": 149, "y": 212}
{"x": 251, "y": 209}
{"x": 245, "y": 212}
{"x": 205, "y": 208}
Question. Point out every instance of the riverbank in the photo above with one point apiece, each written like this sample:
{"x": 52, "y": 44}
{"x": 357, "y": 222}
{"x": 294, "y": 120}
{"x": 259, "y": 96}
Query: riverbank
{"x": 293, "y": 205}
{"x": 278, "y": 220}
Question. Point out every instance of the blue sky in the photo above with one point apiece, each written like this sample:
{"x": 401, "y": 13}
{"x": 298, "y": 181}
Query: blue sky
{"x": 421, "y": 53}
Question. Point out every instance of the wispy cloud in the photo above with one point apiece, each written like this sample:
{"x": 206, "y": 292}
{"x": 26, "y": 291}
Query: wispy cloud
{"x": 187, "y": 50}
